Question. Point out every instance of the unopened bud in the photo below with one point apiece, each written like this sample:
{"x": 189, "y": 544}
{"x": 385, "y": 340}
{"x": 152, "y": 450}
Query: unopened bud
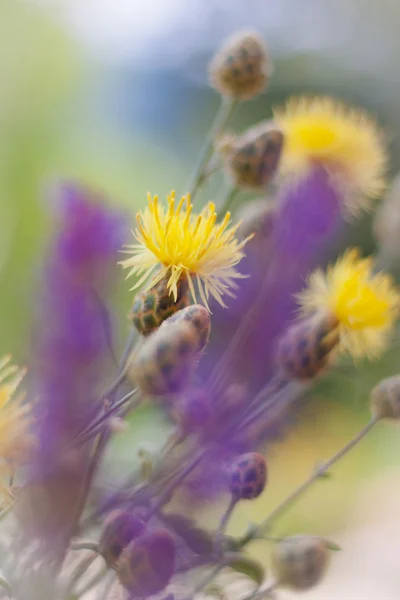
{"x": 146, "y": 566}
{"x": 300, "y": 562}
{"x": 247, "y": 476}
{"x": 252, "y": 159}
{"x": 241, "y": 69}
{"x": 167, "y": 359}
{"x": 120, "y": 529}
{"x": 154, "y": 306}
{"x": 305, "y": 348}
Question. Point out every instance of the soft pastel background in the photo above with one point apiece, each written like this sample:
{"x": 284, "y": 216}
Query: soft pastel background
{"x": 114, "y": 93}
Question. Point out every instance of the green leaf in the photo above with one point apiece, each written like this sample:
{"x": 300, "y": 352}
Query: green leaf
{"x": 249, "y": 567}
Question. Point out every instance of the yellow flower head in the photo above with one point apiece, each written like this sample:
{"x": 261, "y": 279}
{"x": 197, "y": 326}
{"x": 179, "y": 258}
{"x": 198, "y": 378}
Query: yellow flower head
{"x": 364, "y": 303}
{"x": 15, "y": 438}
{"x": 181, "y": 244}
{"x": 344, "y": 141}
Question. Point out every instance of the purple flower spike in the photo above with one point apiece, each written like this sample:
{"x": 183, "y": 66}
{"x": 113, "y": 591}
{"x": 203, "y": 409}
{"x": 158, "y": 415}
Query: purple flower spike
{"x": 69, "y": 357}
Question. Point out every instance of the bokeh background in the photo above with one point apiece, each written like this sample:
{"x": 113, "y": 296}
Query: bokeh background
{"x": 114, "y": 93}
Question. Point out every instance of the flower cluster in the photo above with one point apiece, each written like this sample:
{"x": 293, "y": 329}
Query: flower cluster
{"x": 232, "y": 322}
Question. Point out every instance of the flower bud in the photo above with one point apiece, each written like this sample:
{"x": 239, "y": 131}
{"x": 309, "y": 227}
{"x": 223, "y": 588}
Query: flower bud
{"x": 120, "y": 529}
{"x": 247, "y": 476}
{"x": 152, "y": 307}
{"x": 385, "y": 398}
{"x": 146, "y": 566}
{"x": 241, "y": 68}
{"x": 252, "y": 159}
{"x": 299, "y": 562}
{"x": 167, "y": 359}
{"x": 305, "y": 348}
{"x": 199, "y": 318}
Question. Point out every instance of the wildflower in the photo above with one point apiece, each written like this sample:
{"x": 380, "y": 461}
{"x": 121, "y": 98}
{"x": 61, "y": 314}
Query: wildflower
{"x": 364, "y": 303}
{"x": 251, "y": 159}
{"x": 346, "y": 142}
{"x": 300, "y": 561}
{"x": 15, "y": 437}
{"x": 241, "y": 69}
{"x": 185, "y": 245}
{"x": 69, "y": 360}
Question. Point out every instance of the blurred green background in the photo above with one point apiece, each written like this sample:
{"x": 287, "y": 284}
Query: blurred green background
{"x": 128, "y": 118}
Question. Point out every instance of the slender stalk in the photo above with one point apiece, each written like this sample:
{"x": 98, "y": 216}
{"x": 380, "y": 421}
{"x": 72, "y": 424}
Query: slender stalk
{"x": 223, "y": 523}
{"x": 318, "y": 473}
{"x": 222, "y": 117}
{"x": 85, "y": 546}
{"x": 93, "y": 428}
{"x": 94, "y": 581}
{"x": 78, "y": 573}
{"x": 266, "y": 593}
{"x": 165, "y": 495}
{"x": 227, "y": 199}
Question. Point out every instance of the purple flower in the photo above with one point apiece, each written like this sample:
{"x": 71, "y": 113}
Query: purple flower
{"x": 70, "y": 355}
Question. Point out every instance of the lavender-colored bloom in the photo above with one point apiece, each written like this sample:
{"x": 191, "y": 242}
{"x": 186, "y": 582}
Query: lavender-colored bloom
{"x": 307, "y": 219}
{"x": 69, "y": 357}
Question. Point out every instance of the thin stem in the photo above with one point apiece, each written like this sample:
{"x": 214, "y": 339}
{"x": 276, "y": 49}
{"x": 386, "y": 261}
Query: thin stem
{"x": 222, "y": 117}
{"x": 93, "y": 428}
{"x": 94, "y": 581}
{"x": 93, "y": 546}
{"x": 266, "y": 593}
{"x": 225, "y": 518}
{"x": 318, "y": 473}
{"x": 78, "y": 573}
{"x": 164, "y": 497}
{"x": 228, "y": 197}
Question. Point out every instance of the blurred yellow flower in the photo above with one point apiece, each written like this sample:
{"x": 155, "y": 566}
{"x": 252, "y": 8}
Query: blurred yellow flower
{"x": 181, "y": 244}
{"x": 344, "y": 141}
{"x": 15, "y": 438}
{"x": 365, "y": 304}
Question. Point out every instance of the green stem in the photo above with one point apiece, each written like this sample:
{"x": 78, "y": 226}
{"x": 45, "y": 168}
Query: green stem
{"x": 227, "y": 200}
{"x": 93, "y": 428}
{"x": 222, "y": 117}
{"x": 318, "y": 473}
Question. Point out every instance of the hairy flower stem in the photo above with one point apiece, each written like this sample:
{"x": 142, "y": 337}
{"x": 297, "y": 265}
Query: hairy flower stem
{"x": 317, "y": 474}
{"x": 222, "y": 117}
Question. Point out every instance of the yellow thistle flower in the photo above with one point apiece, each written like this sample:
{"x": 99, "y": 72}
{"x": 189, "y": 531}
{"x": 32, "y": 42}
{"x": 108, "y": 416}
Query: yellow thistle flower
{"x": 344, "y": 141}
{"x": 15, "y": 439}
{"x": 365, "y": 304}
{"x": 181, "y": 244}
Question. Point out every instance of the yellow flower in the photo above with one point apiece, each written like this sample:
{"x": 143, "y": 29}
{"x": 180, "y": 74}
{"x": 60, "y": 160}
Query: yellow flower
{"x": 181, "y": 244}
{"x": 15, "y": 438}
{"x": 344, "y": 141}
{"x": 365, "y": 304}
